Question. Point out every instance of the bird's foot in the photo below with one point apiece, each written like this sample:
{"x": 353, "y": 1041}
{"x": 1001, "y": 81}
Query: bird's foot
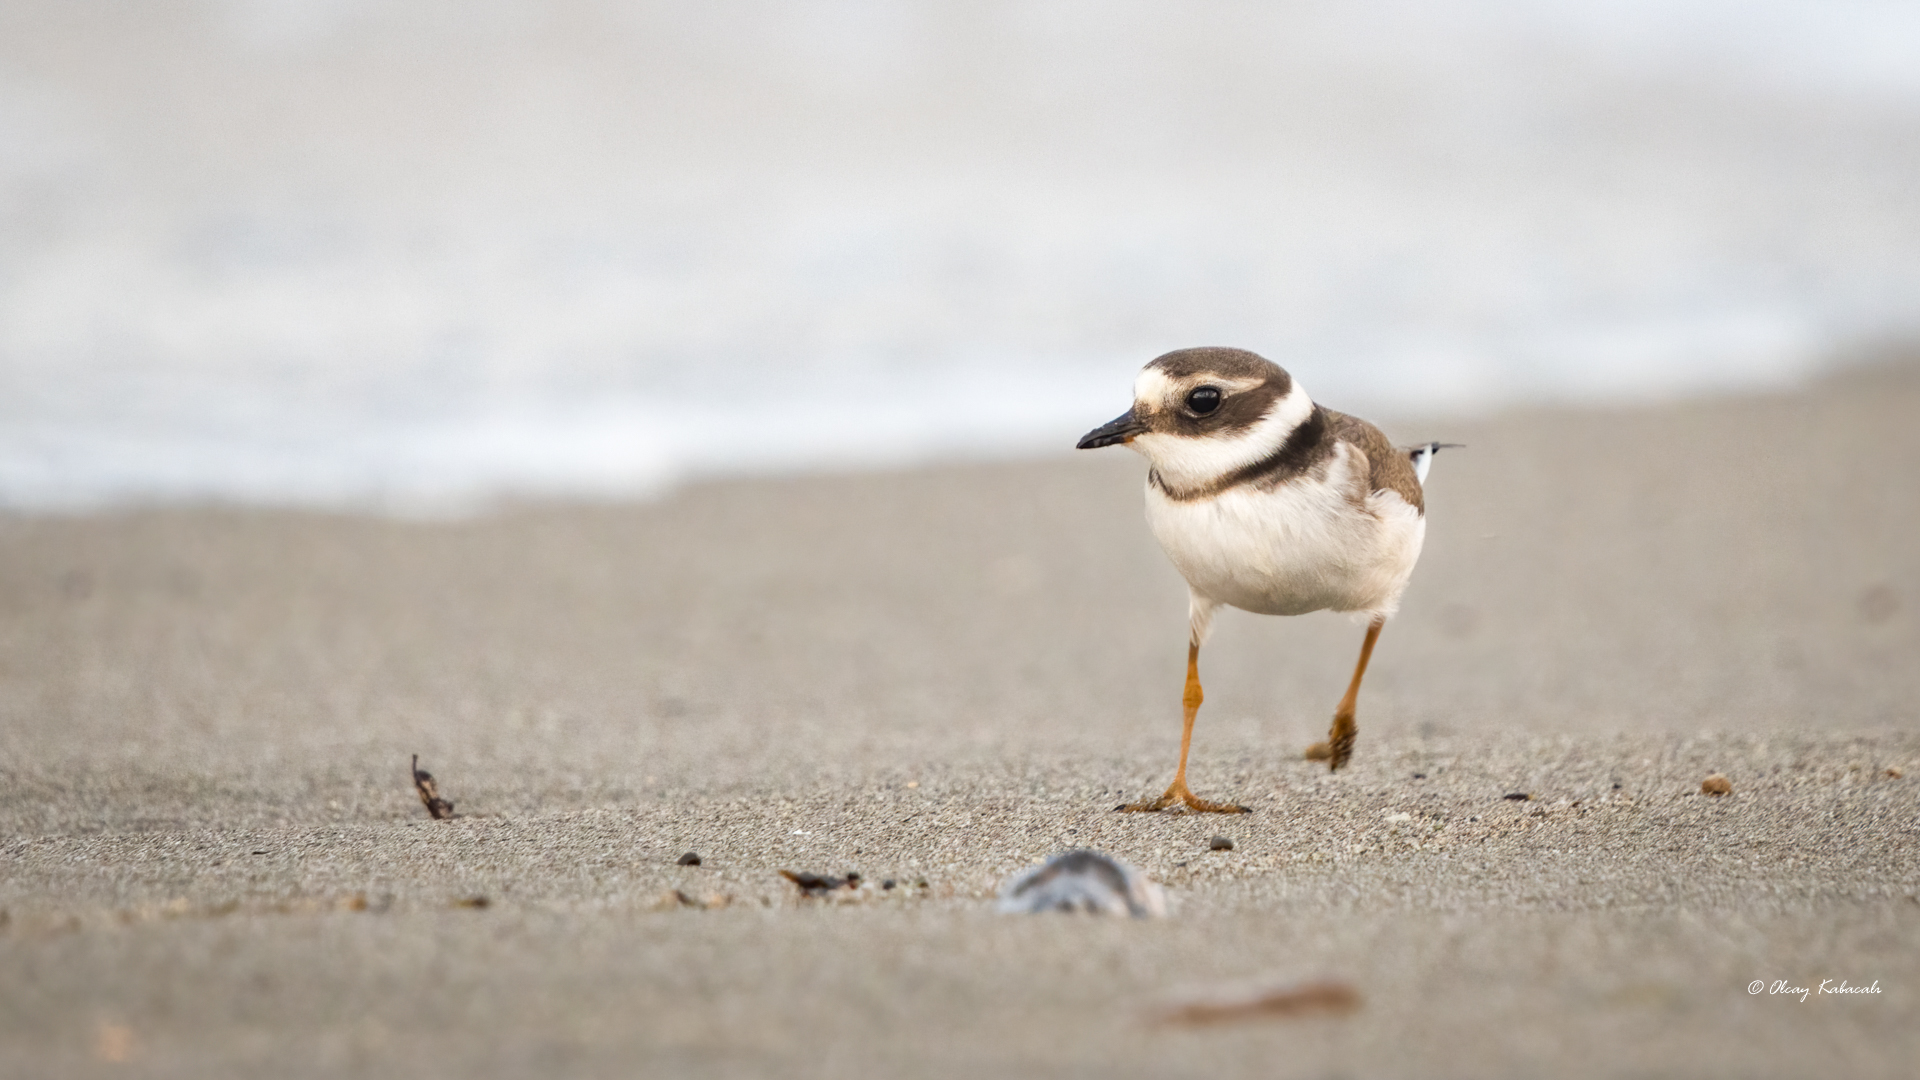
{"x": 1178, "y": 793}
{"x": 1340, "y": 740}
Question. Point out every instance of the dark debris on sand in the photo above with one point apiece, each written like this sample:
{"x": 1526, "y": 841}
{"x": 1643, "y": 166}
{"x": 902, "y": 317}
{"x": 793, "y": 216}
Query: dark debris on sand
{"x": 818, "y": 884}
{"x": 440, "y": 808}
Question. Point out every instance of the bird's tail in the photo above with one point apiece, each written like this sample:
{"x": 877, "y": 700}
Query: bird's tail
{"x": 1422, "y": 456}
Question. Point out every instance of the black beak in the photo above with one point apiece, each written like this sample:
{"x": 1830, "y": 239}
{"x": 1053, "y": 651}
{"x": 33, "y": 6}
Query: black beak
{"x": 1120, "y": 429}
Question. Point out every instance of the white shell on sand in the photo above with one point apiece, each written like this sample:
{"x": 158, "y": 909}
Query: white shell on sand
{"x": 1083, "y": 881}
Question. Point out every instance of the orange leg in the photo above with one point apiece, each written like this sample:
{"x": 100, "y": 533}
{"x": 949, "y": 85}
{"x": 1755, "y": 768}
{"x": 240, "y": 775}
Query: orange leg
{"x": 1339, "y": 745}
{"x": 1178, "y": 792}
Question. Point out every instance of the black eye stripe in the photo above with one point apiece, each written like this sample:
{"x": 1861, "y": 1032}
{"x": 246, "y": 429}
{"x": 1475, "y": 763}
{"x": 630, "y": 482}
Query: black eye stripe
{"x": 1203, "y": 399}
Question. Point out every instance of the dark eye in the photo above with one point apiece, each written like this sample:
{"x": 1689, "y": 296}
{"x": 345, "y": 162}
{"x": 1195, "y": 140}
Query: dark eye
{"x": 1203, "y": 399}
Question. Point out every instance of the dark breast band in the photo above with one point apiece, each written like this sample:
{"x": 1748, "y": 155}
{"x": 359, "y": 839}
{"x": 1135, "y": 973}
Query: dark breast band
{"x": 1307, "y": 445}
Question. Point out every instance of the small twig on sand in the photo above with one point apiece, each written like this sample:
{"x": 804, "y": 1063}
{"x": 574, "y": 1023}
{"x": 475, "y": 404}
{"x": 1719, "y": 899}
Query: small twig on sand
{"x": 1313, "y": 999}
{"x": 440, "y": 808}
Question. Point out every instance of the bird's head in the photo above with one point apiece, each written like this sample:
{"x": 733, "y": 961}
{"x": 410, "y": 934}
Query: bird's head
{"x": 1200, "y": 414}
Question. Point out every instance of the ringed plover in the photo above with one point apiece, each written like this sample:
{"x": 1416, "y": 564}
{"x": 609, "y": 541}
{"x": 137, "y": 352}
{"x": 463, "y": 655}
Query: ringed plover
{"x": 1270, "y": 503}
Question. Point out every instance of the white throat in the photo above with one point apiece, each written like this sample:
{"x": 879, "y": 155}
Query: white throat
{"x": 1186, "y": 462}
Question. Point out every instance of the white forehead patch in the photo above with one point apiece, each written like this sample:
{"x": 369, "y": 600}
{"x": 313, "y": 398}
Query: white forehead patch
{"x": 1152, "y": 387}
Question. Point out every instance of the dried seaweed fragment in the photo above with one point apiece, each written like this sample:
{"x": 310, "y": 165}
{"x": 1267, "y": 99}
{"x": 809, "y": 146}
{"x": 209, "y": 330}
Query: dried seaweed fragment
{"x": 1310, "y": 999}
{"x": 817, "y": 884}
{"x": 440, "y": 808}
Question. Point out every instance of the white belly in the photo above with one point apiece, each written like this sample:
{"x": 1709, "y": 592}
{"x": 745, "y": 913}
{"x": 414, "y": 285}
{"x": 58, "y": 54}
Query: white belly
{"x": 1303, "y": 546}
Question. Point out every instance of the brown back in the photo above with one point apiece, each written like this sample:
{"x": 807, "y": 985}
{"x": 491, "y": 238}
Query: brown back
{"x": 1389, "y": 467}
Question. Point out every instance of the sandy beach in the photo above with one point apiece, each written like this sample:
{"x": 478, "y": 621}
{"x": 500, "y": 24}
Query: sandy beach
{"x": 212, "y": 862}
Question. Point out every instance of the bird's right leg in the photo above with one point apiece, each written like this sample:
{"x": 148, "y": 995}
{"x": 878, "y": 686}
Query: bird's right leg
{"x": 1178, "y": 791}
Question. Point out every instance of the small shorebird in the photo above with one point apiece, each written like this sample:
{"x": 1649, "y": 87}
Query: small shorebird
{"x": 1270, "y": 503}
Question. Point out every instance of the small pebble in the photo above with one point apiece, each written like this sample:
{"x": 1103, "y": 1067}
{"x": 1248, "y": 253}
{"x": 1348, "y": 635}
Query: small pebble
{"x": 1220, "y": 843}
{"x": 691, "y": 858}
{"x": 1419, "y": 776}
{"x": 1516, "y": 796}
{"x": 1716, "y": 785}
{"x": 1894, "y": 772}
{"x": 887, "y": 884}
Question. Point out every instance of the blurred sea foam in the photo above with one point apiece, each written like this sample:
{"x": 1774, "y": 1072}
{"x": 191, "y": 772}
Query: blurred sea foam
{"x": 414, "y": 256}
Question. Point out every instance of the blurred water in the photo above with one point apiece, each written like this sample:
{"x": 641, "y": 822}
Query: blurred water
{"x": 416, "y": 255}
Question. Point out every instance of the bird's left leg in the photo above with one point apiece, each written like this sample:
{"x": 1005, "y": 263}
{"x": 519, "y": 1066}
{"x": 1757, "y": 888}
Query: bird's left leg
{"x": 1339, "y": 745}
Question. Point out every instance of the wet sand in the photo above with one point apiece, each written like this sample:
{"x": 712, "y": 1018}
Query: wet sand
{"x": 213, "y": 863}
